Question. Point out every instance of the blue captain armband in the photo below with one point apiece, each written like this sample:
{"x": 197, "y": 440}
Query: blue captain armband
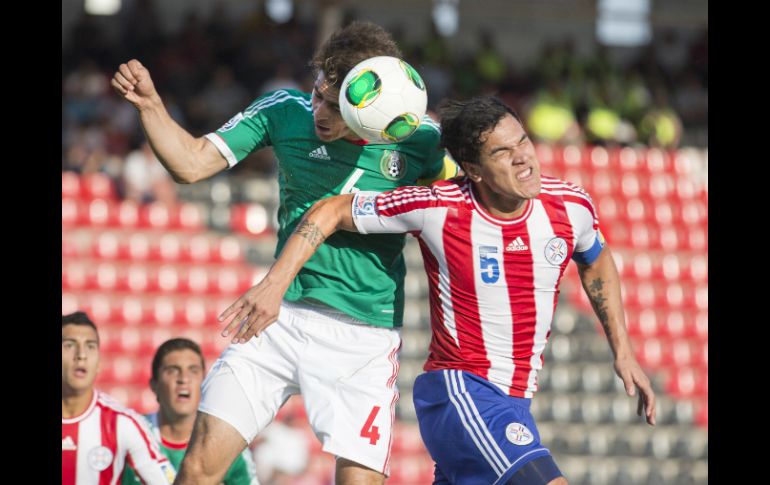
{"x": 589, "y": 256}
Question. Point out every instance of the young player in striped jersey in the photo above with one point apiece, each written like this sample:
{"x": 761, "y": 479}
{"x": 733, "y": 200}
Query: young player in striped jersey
{"x": 495, "y": 245}
{"x": 177, "y": 373}
{"x": 347, "y": 302}
{"x": 98, "y": 435}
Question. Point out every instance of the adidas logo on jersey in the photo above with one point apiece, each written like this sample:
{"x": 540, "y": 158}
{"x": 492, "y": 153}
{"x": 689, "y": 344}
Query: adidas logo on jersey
{"x": 517, "y": 245}
{"x": 68, "y": 444}
{"x": 320, "y": 153}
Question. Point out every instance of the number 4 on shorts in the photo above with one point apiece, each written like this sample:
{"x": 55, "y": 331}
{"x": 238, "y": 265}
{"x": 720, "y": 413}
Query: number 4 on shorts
{"x": 369, "y": 431}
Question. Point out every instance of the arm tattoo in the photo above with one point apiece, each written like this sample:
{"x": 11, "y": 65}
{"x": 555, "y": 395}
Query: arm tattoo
{"x": 599, "y": 303}
{"x": 311, "y": 232}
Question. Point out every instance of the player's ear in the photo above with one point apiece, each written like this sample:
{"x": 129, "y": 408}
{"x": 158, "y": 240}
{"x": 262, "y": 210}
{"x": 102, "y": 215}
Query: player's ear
{"x": 473, "y": 171}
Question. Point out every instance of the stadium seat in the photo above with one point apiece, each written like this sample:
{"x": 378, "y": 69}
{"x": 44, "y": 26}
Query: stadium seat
{"x": 168, "y": 248}
{"x": 70, "y": 185}
{"x": 157, "y": 216}
{"x": 127, "y": 214}
{"x": 199, "y": 249}
{"x": 249, "y": 219}
{"x": 100, "y": 213}
{"x": 191, "y": 217}
{"x": 138, "y": 248}
{"x": 106, "y": 246}
{"x": 97, "y": 186}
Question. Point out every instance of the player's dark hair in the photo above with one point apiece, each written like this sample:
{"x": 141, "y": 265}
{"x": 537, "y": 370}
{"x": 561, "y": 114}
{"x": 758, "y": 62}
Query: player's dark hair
{"x": 350, "y": 45}
{"x": 170, "y": 346}
{"x": 465, "y": 125}
{"x": 79, "y": 318}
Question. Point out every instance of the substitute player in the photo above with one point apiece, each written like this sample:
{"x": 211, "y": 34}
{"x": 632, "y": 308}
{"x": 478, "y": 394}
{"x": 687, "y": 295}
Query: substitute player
{"x": 177, "y": 373}
{"x": 99, "y": 436}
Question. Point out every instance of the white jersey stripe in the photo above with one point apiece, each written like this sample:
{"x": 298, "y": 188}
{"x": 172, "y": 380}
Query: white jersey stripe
{"x": 433, "y": 238}
{"x": 452, "y": 393}
{"x": 277, "y": 98}
{"x": 545, "y": 287}
{"x": 495, "y": 306}
{"x": 466, "y": 395}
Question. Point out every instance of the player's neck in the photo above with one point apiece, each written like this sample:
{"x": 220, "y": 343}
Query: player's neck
{"x": 497, "y": 205}
{"x": 74, "y": 403}
{"x": 176, "y": 430}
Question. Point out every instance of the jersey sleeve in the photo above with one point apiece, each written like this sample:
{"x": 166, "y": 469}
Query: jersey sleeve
{"x": 143, "y": 452}
{"x": 397, "y": 211}
{"x": 243, "y": 471}
{"x": 249, "y": 130}
{"x": 589, "y": 241}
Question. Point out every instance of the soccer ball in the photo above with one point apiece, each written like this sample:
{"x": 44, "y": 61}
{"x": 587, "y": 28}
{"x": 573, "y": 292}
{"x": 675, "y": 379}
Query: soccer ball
{"x": 383, "y": 99}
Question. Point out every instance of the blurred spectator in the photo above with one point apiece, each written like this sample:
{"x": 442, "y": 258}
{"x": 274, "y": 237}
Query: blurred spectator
{"x": 661, "y": 126}
{"x": 275, "y": 465}
{"x": 551, "y": 117}
{"x": 145, "y": 179}
{"x": 283, "y": 78}
{"x": 223, "y": 96}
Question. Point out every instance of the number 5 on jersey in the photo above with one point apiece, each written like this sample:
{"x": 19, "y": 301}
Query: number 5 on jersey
{"x": 369, "y": 431}
{"x": 489, "y": 264}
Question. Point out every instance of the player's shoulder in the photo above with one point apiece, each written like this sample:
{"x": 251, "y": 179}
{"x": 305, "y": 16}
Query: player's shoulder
{"x": 280, "y": 99}
{"x": 443, "y": 192}
{"x": 104, "y": 400}
{"x": 557, "y": 187}
{"x": 427, "y": 134}
{"x": 562, "y": 192}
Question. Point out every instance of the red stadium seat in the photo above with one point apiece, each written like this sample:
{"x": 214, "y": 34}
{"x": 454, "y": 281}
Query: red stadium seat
{"x": 191, "y": 217}
{"x": 97, "y": 186}
{"x": 127, "y": 214}
{"x": 629, "y": 160}
{"x": 168, "y": 248}
{"x": 136, "y": 279}
{"x": 649, "y": 353}
{"x": 630, "y": 185}
{"x": 164, "y": 312}
{"x": 660, "y": 186}
{"x": 106, "y": 246}
{"x": 70, "y": 185}
{"x": 73, "y": 276}
{"x": 168, "y": 279}
{"x": 138, "y": 248}
{"x": 228, "y": 250}
{"x": 674, "y": 324}
{"x": 658, "y": 161}
{"x": 72, "y": 213}
{"x": 157, "y": 216}
{"x": 100, "y": 213}
{"x": 130, "y": 311}
{"x": 198, "y": 249}
{"x": 105, "y": 277}
{"x": 697, "y": 269}
{"x": 249, "y": 219}
{"x": 198, "y": 281}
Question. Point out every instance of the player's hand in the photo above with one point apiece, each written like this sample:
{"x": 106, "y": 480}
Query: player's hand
{"x": 132, "y": 81}
{"x": 634, "y": 378}
{"x": 254, "y": 310}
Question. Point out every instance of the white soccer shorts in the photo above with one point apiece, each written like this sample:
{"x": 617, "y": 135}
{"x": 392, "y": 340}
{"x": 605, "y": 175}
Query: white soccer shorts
{"x": 345, "y": 370}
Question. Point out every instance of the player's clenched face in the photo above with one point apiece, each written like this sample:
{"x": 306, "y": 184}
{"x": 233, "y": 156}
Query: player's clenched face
{"x": 178, "y": 387}
{"x": 79, "y": 357}
{"x": 508, "y": 165}
{"x": 329, "y": 125}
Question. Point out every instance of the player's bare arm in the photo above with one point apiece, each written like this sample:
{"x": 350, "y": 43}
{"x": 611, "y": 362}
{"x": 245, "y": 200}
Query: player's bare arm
{"x": 187, "y": 159}
{"x": 601, "y": 283}
{"x": 259, "y": 306}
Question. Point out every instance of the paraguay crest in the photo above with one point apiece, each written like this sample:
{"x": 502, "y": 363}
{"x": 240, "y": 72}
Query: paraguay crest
{"x": 393, "y": 165}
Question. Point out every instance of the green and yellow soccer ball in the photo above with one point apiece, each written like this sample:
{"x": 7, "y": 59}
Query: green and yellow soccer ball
{"x": 383, "y": 99}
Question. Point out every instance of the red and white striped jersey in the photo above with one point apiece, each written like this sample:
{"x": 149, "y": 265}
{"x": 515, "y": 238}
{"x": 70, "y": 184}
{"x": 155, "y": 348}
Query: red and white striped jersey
{"x": 96, "y": 446}
{"x": 494, "y": 283}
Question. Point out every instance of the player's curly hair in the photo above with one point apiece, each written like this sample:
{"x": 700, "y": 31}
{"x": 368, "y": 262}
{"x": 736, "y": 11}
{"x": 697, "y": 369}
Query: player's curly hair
{"x": 465, "y": 125}
{"x": 169, "y": 346}
{"x": 347, "y": 47}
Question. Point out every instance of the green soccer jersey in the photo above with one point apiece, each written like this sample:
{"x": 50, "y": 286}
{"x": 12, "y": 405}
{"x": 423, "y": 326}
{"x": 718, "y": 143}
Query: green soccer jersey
{"x": 361, "y": 275}
{"x": 241, "y": 472}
